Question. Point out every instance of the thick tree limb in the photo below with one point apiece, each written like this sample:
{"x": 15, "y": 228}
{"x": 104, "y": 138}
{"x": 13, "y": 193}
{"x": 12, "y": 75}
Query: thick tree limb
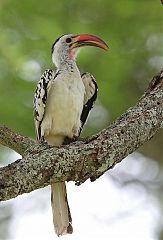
{"x": 90, "y": 158}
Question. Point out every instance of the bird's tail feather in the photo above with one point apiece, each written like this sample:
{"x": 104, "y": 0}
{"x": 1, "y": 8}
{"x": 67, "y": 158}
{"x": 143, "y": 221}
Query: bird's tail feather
{"x": 61, "y": 213}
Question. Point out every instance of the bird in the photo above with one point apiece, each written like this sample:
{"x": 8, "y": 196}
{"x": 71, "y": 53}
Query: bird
{"x": 62, "y": 102}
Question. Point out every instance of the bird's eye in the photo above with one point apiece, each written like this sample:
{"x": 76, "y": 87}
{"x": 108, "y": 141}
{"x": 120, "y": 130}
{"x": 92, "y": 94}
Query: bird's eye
{"x": 68, "y": 40}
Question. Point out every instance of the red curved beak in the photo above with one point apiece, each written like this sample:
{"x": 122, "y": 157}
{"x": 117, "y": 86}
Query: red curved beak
{"x": 82, "y": 40}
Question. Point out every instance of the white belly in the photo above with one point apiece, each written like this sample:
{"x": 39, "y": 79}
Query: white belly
{"x": 63, "y": 108}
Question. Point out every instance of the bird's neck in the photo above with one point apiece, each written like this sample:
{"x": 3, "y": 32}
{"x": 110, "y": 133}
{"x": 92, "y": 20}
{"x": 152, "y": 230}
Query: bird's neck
{"x": 69, "y": 66}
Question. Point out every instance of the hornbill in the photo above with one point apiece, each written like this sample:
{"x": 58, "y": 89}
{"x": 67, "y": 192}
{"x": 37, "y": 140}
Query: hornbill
{"x": 62, "y": 102}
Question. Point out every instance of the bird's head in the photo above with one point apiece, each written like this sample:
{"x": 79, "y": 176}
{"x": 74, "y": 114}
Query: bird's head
{"x": 67, "y": 46}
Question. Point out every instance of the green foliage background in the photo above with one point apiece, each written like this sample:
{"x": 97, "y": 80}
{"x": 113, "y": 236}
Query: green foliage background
{"x": 133, "y": 30}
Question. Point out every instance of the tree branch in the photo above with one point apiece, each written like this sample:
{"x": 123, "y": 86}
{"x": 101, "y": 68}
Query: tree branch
{"x": 88, "y": 158}
{"x": 14, "y": 141}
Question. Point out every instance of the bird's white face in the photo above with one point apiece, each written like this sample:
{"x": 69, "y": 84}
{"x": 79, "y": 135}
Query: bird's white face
{"x": 66, "y": 47}
{"x": 61, "y": 49}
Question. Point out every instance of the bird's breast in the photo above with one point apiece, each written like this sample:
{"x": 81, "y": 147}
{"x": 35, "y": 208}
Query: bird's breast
{"x": 64, "y": 106}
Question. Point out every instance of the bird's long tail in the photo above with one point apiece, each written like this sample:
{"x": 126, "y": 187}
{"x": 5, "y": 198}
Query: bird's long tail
{"x": 61, "y": 213}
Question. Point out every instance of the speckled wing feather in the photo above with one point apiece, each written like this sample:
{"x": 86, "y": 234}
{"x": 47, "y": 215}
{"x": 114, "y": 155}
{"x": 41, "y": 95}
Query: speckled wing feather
{"x": 40, "y": 98}
{"x": 91, "y": 89}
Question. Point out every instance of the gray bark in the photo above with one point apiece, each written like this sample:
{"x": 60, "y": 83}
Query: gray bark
{"x": 87, "y": 158}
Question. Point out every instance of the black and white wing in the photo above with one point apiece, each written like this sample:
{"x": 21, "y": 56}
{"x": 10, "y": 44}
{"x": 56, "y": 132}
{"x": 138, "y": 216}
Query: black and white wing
{"x": 91, "y": 89}
{"x": 40, "y": 98}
